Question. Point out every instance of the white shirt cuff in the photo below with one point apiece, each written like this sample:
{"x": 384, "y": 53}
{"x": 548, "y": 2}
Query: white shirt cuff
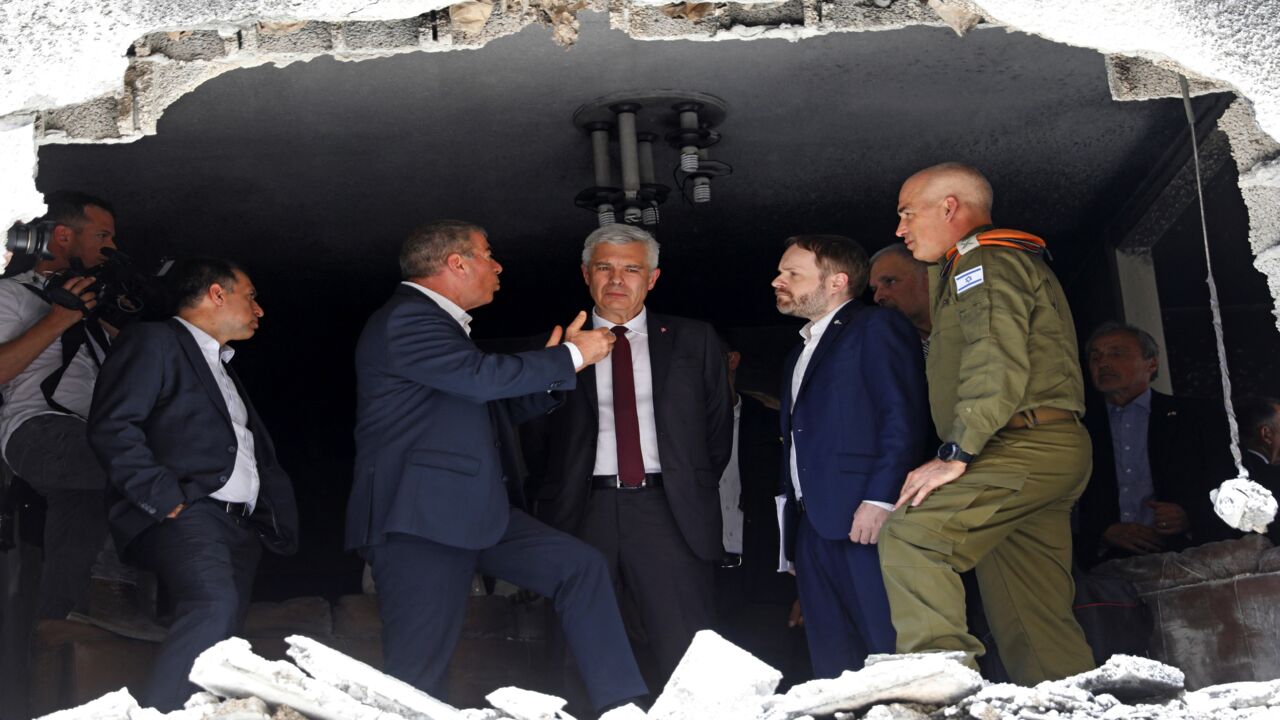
{"x": 575, "y": 354}
{"x": 881, "y": 505}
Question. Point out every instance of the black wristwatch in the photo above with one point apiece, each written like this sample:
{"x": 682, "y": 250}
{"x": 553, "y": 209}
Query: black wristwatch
{"x": 950, "y": 451}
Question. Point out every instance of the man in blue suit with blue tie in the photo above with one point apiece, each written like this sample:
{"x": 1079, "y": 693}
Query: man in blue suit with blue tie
{"x": 854, "y": 415}
{"x": 437, "y": 497}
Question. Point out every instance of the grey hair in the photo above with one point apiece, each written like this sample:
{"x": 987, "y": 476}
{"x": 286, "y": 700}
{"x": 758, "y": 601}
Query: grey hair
{"x": 1147, "y": 344}
{"x": 424, "y": 252}
{"x": 899, "y": 249}
{"x": 619, "y": 234}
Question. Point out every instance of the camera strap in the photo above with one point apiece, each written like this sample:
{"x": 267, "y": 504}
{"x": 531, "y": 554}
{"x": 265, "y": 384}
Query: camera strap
{"x": 72, "y": 339}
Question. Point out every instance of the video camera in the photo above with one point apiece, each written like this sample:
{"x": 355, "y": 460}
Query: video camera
{"x": 124, "y": 294}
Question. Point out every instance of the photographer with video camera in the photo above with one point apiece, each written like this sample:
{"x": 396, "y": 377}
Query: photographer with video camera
{"x": 51, "y": 346}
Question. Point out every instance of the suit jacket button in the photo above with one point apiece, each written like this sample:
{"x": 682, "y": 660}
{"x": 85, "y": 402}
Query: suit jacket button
{"x": 231, "y": 449}
{"x": 222, "y": 478}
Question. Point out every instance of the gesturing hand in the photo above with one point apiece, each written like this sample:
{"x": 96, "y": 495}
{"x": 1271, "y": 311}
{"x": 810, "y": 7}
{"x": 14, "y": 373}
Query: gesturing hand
{"x": 927, "y": 478}
{"x": 593, "y": 344}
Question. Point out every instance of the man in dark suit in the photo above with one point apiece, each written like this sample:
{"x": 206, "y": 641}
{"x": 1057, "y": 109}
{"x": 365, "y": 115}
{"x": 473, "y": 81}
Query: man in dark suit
{"x": 1259, "y": 419}
{"x": 853, "y": 419}
{"x": 435, "y": 484}
{"x": 195, "y": 489}
{"x": 636, "y": 454}
{"x": 1155, "y": 457}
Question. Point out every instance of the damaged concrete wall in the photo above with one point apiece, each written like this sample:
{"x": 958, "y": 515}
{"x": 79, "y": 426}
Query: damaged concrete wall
{"x": 106, "y": 73}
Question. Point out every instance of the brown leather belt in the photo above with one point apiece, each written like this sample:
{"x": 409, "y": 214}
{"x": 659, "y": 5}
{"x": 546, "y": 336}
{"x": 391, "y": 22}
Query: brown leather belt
{"x": 1039, "y": 416}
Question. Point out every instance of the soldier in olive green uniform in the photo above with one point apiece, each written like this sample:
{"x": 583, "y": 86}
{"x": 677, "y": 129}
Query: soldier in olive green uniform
{"x": 1006, "y": 393}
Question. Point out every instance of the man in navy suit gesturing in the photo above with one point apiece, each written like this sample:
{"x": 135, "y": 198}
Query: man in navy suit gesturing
{"x": 437, "y": 494}
{"x": 853, "y": 418}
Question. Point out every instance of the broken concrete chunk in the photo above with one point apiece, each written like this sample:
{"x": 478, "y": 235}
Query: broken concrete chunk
{"x": 118, "y": 704}
{"x": 926, "y": 679}
{"x": 715, "y": 679}
{"x": 627, "y": 712}
{"x": 1048, "y": 699}
{"x": 894, "y": 711}
{"x": 1264, "y": 174}
{"x": 469, "y": 17}
{"x": 1244, "y": 505}
{"x": 1130, "y": 678}
{"x": 688, "y": 11}
{"x": 481, "y": 714}
{"x": 1217, "y": 699}
{"x": 284, "y": 712}
{"x": 960, "y": 15}
{"x": 364, "y": 684}
{"x": 527, "y": 704}
{"x": 250, "y": 708}
{"x": 231, "y": 669}
{"x": 876, "y": 658}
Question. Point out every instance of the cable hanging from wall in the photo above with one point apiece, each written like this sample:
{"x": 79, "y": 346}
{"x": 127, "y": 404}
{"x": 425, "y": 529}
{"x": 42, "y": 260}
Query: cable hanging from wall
{"x": 1240, "y": 502}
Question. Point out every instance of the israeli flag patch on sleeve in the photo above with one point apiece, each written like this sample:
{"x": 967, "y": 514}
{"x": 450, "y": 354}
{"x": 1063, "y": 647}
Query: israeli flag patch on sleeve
{"x": 968, "y": 279}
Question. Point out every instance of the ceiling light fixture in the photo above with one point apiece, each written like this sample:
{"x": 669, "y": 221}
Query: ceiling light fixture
{"x": 636, "y": 120}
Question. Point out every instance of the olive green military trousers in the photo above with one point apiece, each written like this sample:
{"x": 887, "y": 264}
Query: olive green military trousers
{"x": 1008, "y": 516}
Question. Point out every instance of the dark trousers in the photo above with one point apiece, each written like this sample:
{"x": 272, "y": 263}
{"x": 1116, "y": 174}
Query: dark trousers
{"x": 422, "y": 597}
{"x": 846, "y": 612}
{"x": 51, "y": 452}
{"x": 206, "y": 560}
{"x": 671, "y": 589}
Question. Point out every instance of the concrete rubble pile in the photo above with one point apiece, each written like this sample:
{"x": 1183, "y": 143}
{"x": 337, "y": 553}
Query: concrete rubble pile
{"x": 715, "y": 681}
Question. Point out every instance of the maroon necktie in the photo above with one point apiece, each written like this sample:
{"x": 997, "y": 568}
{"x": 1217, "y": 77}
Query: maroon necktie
{"x": 626, "y": 423}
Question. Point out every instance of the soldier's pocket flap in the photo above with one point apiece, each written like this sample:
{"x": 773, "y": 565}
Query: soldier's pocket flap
{"x": 975, "y": 315}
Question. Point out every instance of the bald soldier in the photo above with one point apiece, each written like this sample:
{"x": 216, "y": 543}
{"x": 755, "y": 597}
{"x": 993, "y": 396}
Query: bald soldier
{"x": 1006, "y": 394}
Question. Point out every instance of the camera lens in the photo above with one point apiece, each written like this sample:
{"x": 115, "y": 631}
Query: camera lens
{"x": 33, "y": 239}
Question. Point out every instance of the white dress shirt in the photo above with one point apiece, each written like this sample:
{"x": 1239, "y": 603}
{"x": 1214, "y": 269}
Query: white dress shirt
{"x": 464, "y": 319}
{"x": 731, "y": 493}
{"x": 606, "y": 439}
{"x": 242, "y": 487}
{"x": 812, "y": 334}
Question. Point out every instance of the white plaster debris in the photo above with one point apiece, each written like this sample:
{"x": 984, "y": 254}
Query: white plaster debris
{"x": 630, "y": 711}
{"x": 19, "y": 199}
{"x": 118, "y": 704}
{"x": 925, "y": 679}
{"x": 1233, "y": 696}
{"x": 230, "y": 669}
{"x": 527, "y": 704}
{"x": 1130, "y": 677}
{"x": 365, "y": 684}
{"x": 1266, "y": 174}
{"x": 1244, "y": 505}
{"x": 891, "y": 687}
{"x": 892, "y": 711}
{"x": 715, "y": 679}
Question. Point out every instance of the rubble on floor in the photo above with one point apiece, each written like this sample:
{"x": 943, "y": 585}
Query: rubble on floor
{"x": 716, "y": 680}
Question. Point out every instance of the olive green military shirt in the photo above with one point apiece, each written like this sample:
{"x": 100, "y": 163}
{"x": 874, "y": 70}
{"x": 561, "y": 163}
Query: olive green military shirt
{"x": 1003, "y": 342}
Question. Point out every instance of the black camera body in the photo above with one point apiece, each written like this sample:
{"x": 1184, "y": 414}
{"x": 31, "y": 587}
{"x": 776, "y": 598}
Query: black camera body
{"x": 123, "y": 293}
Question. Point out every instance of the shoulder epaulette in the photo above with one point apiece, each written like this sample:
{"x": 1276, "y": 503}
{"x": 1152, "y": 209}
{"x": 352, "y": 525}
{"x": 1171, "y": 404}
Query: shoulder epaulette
{"x": 1002, "y": 237}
